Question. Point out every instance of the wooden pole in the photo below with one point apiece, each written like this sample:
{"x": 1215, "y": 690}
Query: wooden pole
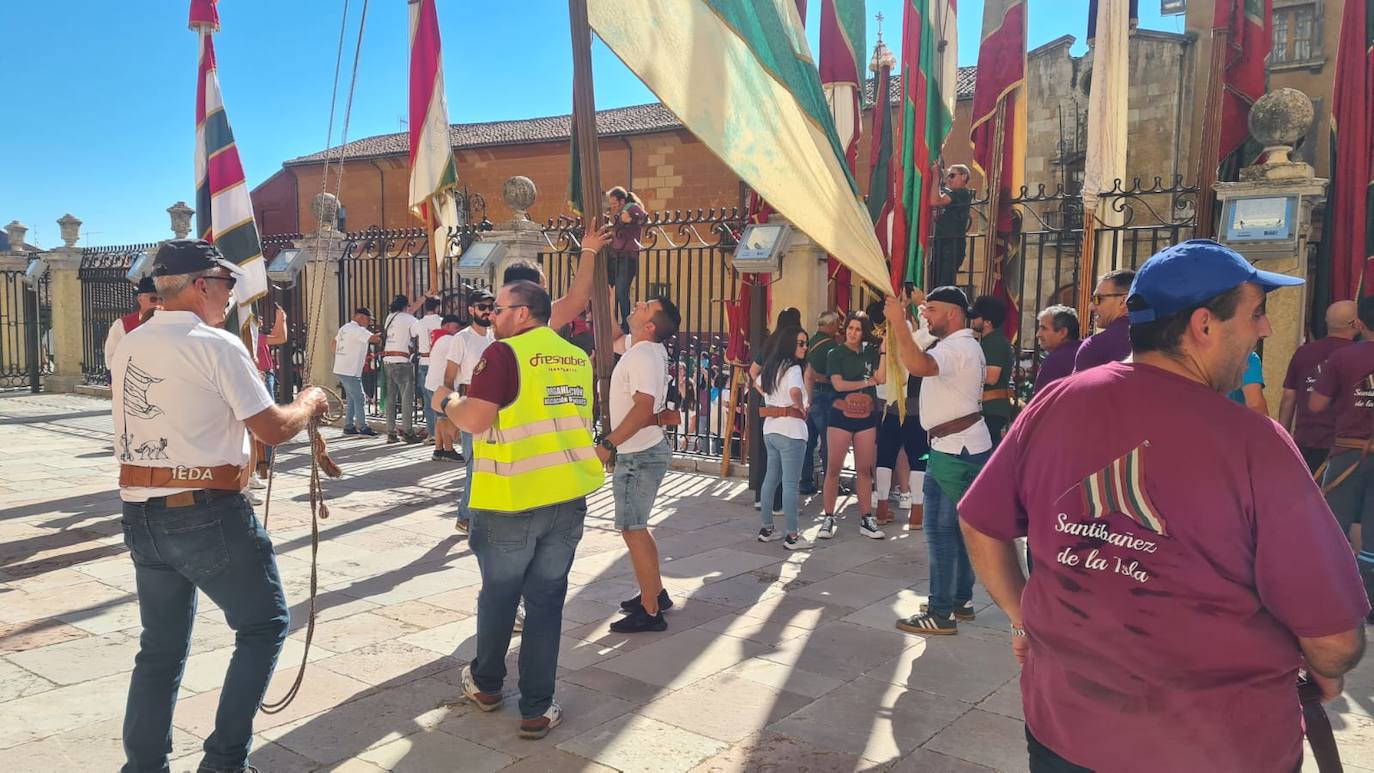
{"x": 584, "y": 123}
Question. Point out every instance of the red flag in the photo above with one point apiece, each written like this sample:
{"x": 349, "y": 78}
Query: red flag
{"x": 1349, "y": 227}
{"x": 841, "y": 68}
{"x": 1247, "y": 26}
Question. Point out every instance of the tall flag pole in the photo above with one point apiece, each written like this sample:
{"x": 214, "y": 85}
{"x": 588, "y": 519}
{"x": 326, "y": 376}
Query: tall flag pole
{"x": 929, "y": 66}
{"x": 842, "y": 80}
{"x": 756, "y": 102}
{"x": 1105, "y": 161}
{"x": 881, "y": 171}
{"x": 1241, "y": 39}
{"x": 224, "y": 211}
{"x": 433, "y": 175}
{"x": 998, "y": 135}
{"x": 1347, "y": 244}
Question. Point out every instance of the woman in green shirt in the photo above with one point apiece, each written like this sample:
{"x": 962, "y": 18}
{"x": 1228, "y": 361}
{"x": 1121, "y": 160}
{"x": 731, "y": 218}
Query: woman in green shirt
{"x": 855, "y": 368}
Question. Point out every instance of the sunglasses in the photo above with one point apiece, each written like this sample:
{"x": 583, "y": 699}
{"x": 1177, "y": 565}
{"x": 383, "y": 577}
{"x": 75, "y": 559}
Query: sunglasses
{"x": 1097, "y": 297}
{"x": 499, "y": 309}
{"x": 229, "y": 281}
{"x": 484, "y": 306}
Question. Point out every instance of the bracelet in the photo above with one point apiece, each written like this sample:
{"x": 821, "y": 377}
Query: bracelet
{"x": 588, "y": 249}
{"x": 1018, "y": 631}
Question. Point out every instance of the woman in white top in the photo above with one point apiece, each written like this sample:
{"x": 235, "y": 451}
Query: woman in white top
{"x": 784, "y": 430}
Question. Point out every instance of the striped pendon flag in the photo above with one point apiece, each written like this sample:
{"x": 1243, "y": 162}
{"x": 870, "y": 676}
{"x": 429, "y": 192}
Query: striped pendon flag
{"x": 1120, "y": 488}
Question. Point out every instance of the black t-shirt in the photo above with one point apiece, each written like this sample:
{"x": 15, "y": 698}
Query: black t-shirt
{"x": 953, "y": 219}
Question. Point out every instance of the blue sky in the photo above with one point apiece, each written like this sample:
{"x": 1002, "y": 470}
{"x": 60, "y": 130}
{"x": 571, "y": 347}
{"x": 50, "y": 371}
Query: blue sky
{"x": 102, "y": 109}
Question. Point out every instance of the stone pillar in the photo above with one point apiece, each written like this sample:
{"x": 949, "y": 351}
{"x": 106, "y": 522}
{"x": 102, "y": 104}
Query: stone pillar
{"x": 802, "y": 282}
{"x": 181, "y": 219}
{"x": 1277, "y": 120}
{"x": 64, "y": 289}
{"x": 16, "y": 232}
{"x": 320, "y": 287}
{"x": 523, "y": 238}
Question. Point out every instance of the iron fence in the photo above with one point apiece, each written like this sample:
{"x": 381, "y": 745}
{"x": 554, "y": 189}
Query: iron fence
{"x": 25, "y": 330}
{"x": 106, "y": 295}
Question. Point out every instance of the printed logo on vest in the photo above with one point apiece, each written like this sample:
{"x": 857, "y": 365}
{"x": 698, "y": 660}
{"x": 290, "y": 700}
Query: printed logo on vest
{"x": 564, "y": 395}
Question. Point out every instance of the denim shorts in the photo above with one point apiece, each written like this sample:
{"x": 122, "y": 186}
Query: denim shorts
{"x": 635, "y": 483}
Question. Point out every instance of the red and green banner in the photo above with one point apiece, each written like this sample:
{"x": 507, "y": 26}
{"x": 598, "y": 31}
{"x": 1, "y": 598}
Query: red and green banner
{"x": 929, "y": 37}
{"x": 1248, "y": 36}
{"x": 1120, "y": 488}
{"x": 998, "y": 136}
{"x": 842, "y": 79}
{"x": 881, "y": 170}
{"x": 1349, "y": 228}
{"x": 224, "y": 210}
{"x": 433, "y": 175}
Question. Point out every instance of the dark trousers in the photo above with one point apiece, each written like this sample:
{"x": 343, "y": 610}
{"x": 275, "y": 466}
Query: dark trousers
{"x": 1314, "y": 457}
{"x": 817, "y": 425}
{"x": 947, "y": 255}
{"x": 1044, "y": 760}
{"x": 996, "y": 425}
{"x": 219, "y": 548}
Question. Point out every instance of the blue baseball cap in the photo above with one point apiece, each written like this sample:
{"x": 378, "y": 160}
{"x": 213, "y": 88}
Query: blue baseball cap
{"x": 1189, "y": 274}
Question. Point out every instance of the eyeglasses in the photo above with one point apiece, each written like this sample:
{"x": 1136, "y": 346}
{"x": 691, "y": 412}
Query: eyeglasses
{"x": 484, "y": 306}
{"x": 228, "y": 280}
{"x": 1097, "y": 297}
{"x": 499, "y": 309}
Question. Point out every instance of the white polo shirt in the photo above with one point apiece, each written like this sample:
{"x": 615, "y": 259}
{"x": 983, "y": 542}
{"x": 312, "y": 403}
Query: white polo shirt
{"x": 643, "y": 368}
{"x": 181, "y": 391}
{"x": 466, "y": 349}
{"x": 427, "y": 325}
{"x": 400, "y": 328}
{"x": 434, "y": 377}
{"x": 957, "y": 390}
{"x": 350, "y": 349}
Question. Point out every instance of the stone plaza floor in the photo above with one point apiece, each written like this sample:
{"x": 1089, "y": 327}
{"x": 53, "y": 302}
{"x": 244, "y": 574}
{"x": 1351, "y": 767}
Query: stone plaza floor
{"x": 772, "y": 660}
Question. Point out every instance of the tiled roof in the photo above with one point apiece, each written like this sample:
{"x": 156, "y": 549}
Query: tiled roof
{"x": 636, "y": 119}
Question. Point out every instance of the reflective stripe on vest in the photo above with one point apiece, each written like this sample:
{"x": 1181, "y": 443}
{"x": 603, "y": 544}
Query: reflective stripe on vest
{"x": 539, "y": 451}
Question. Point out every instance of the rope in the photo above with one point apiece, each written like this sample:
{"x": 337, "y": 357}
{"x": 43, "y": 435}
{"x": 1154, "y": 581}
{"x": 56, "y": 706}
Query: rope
{"x": 319, "y": 454}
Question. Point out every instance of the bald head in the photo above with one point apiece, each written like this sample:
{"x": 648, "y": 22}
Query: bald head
{"x": 1341, "y": 319}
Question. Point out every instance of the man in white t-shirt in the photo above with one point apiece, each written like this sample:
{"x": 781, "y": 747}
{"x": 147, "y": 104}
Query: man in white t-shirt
{"x": 148, "y": 300}
{"x": 428, "y": 324}
{"x": 953, "y": 371}
{"x": 638, "y": 453}
{"x": 400, "y": 329}
{"x": 350, "y": 352}
{"x": 444, "y": 431}
{"x": 184, "y": 390}
{"x": 464, "y": 352}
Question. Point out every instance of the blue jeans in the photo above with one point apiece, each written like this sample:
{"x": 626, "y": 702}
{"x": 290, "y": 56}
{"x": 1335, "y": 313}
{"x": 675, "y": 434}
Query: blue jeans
{"x": 426, "y": 398}
{"x": 355, "y": 407}
{"x": 523, "y": 555}
{"x": 464, "y": 512}
{"x": 784, "y": 467}
{"x": 818, "y": 422}
{"x": 219, "y": 548}
{"x": 951, "y": 574}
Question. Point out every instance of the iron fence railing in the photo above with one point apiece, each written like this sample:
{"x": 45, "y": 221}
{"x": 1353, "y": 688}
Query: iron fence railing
{"x": 106, "y": 295}
{"x": 26, "y": 351}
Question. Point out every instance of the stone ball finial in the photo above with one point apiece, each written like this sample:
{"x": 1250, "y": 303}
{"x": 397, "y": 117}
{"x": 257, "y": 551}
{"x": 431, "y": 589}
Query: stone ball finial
{"x": 519, "y": 194}
{"x": 325, "y": 208}
{"x": 70, "y": 228}
{"x": 181, "y": 219}
{"x": 1281, "y": 117}
{"x": 16, "y": 231}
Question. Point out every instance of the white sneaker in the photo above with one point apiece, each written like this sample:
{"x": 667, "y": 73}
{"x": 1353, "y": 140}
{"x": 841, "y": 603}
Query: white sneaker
{"x": 257, "y": 483}
{"x": 827, "y": 528}
{"x": 768, "y": 535}
{"x": 905, "y": 502}
{"x": 758, "y": 505}
{"x": 868, "y": 526}
{"x": 796, "y": 542}
{"x": 254, "y": 498}
{"x": 534, "y": 729}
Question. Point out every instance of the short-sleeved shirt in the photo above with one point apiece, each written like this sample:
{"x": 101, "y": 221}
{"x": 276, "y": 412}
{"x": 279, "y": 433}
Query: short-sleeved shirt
{"x": 496, "y": 378}
{"x": 1057, "y": 364}
{"x": 643, "y": 368}
{"x": 818, "y": 357}
{"x": 1348, "y": 379}
{"x": 1254, "y": 374}
{"x": 434, "y": 377}
{"x": 853, "y": 366}
{"x": 350, "y": 349}
{"x": 181, "y": 392}
{"x": 400, "y": 328}
{"x": 466, "y": 348}
{"x": 954, "y": 392}
{"x": 997, "y": 353}
{"x": 1177, "y": 561}
{"x": 781, "y": 397}
{"x": 953, "y": 219}
{"x": 426, "y": 326}
{"x": 1311, "y": 430}
{"x": 1110, "y": 345}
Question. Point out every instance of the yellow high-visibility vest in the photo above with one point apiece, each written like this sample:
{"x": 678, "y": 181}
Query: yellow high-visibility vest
{"x": 540, "y": 451}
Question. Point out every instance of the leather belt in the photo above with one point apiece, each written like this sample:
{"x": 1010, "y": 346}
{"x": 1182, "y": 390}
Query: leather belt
{"x": 996, "y": 394}
{"x": 779, "y": 411}
{"x": 955, "y": 425}
{"x": 1354, "y": 443}
{"x": 225, "y": 477}
{"x": 396, "y": 354}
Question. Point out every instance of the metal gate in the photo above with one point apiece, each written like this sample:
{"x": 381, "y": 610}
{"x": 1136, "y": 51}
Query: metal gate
{"x": 25, "y": 330}
{"x": 106, "y": 295}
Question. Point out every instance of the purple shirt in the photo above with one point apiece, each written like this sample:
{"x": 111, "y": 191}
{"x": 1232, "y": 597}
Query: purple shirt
{"x": 1113, "y": 344}
{"x": 1057, "y": 364}
{"x": 1311, "y": 430}
{"x": 1348, "y": 379}
{"x": 1177, "y": 561}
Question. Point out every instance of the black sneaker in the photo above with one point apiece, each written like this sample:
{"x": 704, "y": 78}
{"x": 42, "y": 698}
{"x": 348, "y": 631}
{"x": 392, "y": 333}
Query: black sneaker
{"x": 370, "y": 432}
{"x": 411, "y": 438}
{"x": 350, "y": 430}
{"x": 390, "y": 438}
{"x": 664, "y": 603}
{"x": 639, "y": 621}
{"x": 927, "y": 623}
{"x": 440, "y": 455}
{"x": 768, "y": 535}
{"x": 964, "y": 613}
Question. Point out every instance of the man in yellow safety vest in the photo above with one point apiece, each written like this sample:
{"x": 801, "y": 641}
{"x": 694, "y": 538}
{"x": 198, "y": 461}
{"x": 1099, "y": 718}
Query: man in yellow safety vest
{"x": 529, "y": 409}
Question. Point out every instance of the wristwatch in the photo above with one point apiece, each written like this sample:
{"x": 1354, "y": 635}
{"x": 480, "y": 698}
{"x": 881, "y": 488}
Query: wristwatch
{"x": 606, "y": 443}
{"x": 443, "y": 404}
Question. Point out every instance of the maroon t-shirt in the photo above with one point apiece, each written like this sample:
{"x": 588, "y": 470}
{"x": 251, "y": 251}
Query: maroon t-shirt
{"x": 1348, "y": 379}
{"x": 1181, "y": 547}
{"x": 1311, "y": 430}
{"x": 496, "y": 376}
{"x": 1110, "y": 345}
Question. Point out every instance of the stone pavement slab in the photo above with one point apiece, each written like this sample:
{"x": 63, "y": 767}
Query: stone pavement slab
{"x": 773, "y": 660}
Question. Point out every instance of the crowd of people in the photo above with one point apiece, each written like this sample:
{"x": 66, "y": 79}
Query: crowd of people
{"x": 1161, "y": 516}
